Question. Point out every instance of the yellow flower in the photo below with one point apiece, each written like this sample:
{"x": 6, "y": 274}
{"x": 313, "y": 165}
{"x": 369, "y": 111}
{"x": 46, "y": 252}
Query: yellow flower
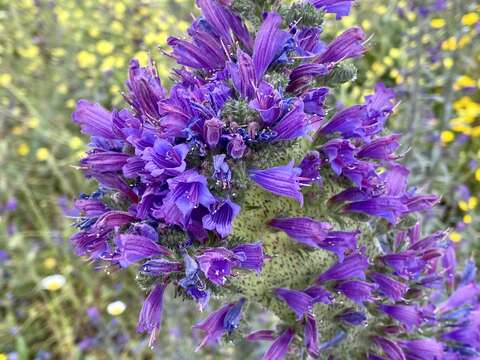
{"x": 472, "y": 203}
{"x": 119, "y": 8}
{"x": 381, "y": 9}
{"x": 437, "y": 23}
{"x": 411, "y": 16}
{"x": 3, "y": 356}
{"x": 142, "y": 57}
{"x": 70, "y": 103}
{"x": 23, "y": 149}
{"x": 467, "y": 219}
{"x": 53, "y": 282}
{"x": 394, "y": 53}
{"x": 378, "y": 68}
{"x": 447, "y": 136}
{"x": 464, "y": 40}
{"x": 33, "y": 122}
{"x": 388, "y": 61}
{"x": 58, "y": 52}
{"x": 5, "y": 79}
{"x": 470, "y": 19}
{"x": 62, "y": 89}
{"x": 114, "y": 89}
{"x": 42, "y": 154}
{"x": 448, "y": 62}
{"x": 107, "y": 64}
{"x": 104, "y": 47}
{"x": 29, "y": 52}
{"x": 94, "y": 32}
{"x": 463, "y": 205}
{"x": 117, "y": 27}
{"x": 450, "y": 44}
{"x": 463, "y": 82}
{"x": 455, "y": 236}
{"x": 366, "y": 25}
{"x": 49, "y": 263}
{"x": 477, "y": 174}
{"x": 86, "y": 59}
{"x": 116, "y": 308}
{"x": 182, "y": 25}
{"x": 75, "y": 143}
{"x": 17, "y": 130}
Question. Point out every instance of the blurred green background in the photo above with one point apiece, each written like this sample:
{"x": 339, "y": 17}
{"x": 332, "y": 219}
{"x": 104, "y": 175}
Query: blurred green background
{"x": 54, "y": 305}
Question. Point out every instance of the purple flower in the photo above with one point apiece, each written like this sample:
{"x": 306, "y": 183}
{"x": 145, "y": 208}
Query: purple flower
{"x": 314, "y": 101}
{"x": 225, "y": 23}
{"x": 90, "y": 207}
{"x": 150, "y": 319}
{"x": 157, "y": 267}
{"x": 380, "y": 149}
{"x": 233, "y": 316}
{"x": 346, "y": 122}
{"x": 310, "y": 166}
{"x": 358, "y": 291}
{"x": 269, "y": 43}
{"x": 249, "y": 256}
{"x": 293, "y": 125}
{"x": 113, "y": 219}
{"x": 389, "y": 347}
{"x": 353, "y": 317}
{"x": 243, "y": 75}
{"x": 104, "y": 161}
{"x": 187, "y": 192}
{"x": 222, "y": 171}
{"x": 261, "y": 335}
{"x": 268, "y": 103}
{"x": 310, "y": 336}
{"x": 164, "y": 159}
{"x": 298, "y": 301}
{"x": 302, "y": 76}
{"x": 279, "y": 348}
{"x": 145, "y": 90}
{"x": 308, "y": 42}
{"x": 422, "y": 349}
{"x": 236, "y": 147}
{"x": 280, "y": 180}
{"x": 379, "y": 105}
{"x": 406, "y": 314}
{"x": 216, "y": 264}
{"x": 93, "y": 119}
{"x": 465, "y": 294}
{"x": 304, "y": 230}
{"x": 352, "y": 266}
{"x": 132, "y": 248}
{"x": 213, "y": 326}
{"x": 388, "y": 286}
{"x": 339, "y": 7}
{"x": 347, "y": 45}
{"x": 388, "y": 207}
{"x": 221, "y": 216}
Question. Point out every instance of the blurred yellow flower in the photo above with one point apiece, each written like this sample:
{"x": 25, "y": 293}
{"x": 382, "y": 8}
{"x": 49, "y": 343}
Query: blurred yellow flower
{"x": 116, "y": 308}
{"x": 104, "y": 47}
{"x": 3, "y": 356}
{"x": 58, "y": 52}
{"x": 467, "y": 219}
{"x": 94, "y": 32}
{"x": 33, "y": 122}
{"x": 447, "y": 136}
{"x": 437, "y": 23}
{"x": 388, "y": 61}
{"x": 394, "y": 53}
{"x": 29, "y": 52}
{"x": 450, "y": 44}
{"x": 464, "y": 40}
{"x": 17, "y": 130}
{"x": 470, "y": 18}
{"x": 53, "y": 282}
{"x": 455, "y": 236}
{"x": 463, "y": 82}
{"x": 117, "y": 27}
{"x": 42, "y": 154}
{"x": 142, "y": 57}
{"x": 75, "y": 143}
{"x": 472, "y": 203}
{"x": 381, "y": 9}
{"x": 119, "y": 8}
{"x": 62, "y": 89}
{"x": 23, "y": 149}
{"x": 49, "y": 263}
{"x": 477, "y": 174}
{"x": 86, "y": 59}
{"x": 463, "y": 205}
{"x": 70, "y": 103}
{"x": 5, "y": 79}
{"x": 448, "y": 62}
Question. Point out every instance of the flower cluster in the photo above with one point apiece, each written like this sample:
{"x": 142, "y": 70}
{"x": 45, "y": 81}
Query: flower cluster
{"x": 238, "y": 182}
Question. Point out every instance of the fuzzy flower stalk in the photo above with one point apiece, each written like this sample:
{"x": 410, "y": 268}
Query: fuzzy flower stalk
{"x": 242, "y": 180}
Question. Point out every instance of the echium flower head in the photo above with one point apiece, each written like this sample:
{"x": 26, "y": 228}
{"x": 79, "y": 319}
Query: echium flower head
{"x": 238, "y": 182}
